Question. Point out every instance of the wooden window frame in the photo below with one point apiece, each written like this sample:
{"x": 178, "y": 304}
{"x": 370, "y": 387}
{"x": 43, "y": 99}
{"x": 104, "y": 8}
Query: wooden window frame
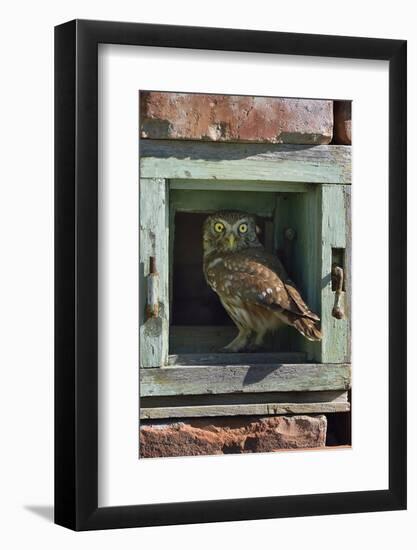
{"x": 324, "y": 172}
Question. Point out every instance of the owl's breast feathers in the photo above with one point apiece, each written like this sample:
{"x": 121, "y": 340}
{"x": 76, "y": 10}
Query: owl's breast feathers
{"x": 255, "y": 277}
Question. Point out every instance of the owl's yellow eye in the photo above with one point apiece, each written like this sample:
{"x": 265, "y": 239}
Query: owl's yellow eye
{"x": 218, "y": 227}
{"x": 243, "y": 227}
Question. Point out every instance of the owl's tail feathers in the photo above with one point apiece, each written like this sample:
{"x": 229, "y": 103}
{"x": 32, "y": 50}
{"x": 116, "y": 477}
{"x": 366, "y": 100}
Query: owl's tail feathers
{"x": 308, "y": 328}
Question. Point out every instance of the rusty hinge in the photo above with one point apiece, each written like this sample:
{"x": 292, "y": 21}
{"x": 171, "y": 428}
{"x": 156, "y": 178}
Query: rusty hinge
{"x": 337, "y": 283}
{"x": 152, "y": 302}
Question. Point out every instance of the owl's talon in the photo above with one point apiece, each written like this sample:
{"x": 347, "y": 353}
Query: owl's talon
{"x": 253, "y": 348}
{"x": 238, "y": 344}
{"x": 250, "y": 348}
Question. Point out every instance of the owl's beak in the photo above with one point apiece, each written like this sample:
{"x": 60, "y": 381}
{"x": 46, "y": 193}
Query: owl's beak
{"x": 232, "y": 241}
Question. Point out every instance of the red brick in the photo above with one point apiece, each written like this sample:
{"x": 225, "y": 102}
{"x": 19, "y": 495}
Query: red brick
{"x": 343, "y": 122}
{"x": 235, "y": 118}
{"x": 227, "y": 435}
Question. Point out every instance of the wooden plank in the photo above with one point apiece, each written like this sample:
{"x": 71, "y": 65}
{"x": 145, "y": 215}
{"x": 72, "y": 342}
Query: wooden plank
{"x": 348, "y": 269}
{"x": 188, "y": 359}
{"x": 171, "y": 253}
{"x": 241, "y": 185}
{"x": 153, "y": 222}
{"x": 190, "y": 200}
{"x": 227, "y": 161}
{"x": 309, "y": 256}
{"x": 197, "y": 380}
{"x": 301, "y": 257}
{"x": 335, "y": 396}
{"x": 335, "y": 347}
{"x": 263, "y": 409}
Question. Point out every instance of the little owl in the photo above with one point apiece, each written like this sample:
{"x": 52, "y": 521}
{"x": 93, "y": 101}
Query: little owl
{"x": 251, "y": 283}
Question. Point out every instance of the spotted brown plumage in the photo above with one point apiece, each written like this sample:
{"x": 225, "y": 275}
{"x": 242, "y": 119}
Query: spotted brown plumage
{"x": 252, "y": 284}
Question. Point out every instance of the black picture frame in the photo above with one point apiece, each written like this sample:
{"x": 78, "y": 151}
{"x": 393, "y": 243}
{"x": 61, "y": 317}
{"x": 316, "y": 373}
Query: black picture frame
{"x": 76, "y": 271}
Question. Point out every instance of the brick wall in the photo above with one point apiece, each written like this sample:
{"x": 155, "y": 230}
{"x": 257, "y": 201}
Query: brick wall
{"x": 222, "y": 118}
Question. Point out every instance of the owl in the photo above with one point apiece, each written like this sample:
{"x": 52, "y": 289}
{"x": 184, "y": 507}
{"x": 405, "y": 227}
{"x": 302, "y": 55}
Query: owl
{"x": 251, "y": 283}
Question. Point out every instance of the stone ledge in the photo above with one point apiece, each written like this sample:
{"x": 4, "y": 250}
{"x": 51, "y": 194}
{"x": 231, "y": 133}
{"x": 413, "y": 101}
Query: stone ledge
{"x": 216, "y": 436}
{"x": 235, "y": 118}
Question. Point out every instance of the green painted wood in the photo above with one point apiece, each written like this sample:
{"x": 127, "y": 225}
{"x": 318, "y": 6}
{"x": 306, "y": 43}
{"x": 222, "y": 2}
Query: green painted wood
{"x": 300, "y": 256}
{"x": 227, "y": 161}
{"x": 190, "y": 200}
{"x": 263, "y": 409}
{"x": 153, "y": 241}
{"x": 308, "y": 260}
{"x": 334, "y": 214}
{"x": 197, "y": 380}
{"x": 348, "y": 269}
{"x": 241, "y": 185}
{"x": 171, "y": 238}
{"x": 319, "y": 214}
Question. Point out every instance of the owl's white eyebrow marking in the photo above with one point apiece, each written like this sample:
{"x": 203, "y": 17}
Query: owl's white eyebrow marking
{"x": 242, "y": 220}
{"x": 214, "y": 262}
